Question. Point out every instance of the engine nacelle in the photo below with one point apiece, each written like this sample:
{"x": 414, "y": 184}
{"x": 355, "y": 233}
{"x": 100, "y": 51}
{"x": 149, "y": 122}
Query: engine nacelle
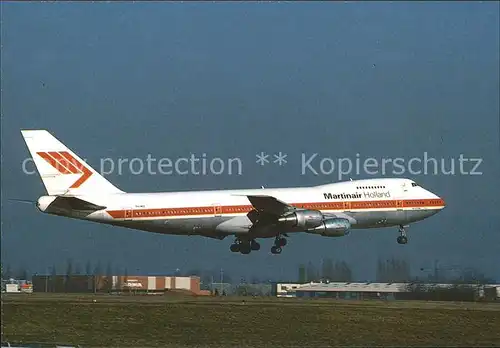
{"x": 305, "y": 219}
{"x": 332, "y": 228}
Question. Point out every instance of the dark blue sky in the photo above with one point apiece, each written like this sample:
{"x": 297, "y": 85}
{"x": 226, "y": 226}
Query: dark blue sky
{"x": 234, "y": 79}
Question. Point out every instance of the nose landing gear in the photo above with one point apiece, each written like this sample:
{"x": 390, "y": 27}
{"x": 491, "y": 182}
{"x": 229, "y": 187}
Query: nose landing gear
{"x": 402, "y": 239}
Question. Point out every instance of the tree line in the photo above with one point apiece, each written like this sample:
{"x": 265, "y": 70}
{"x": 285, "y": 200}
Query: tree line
{"x": 98, "y": 269}
{"x": 391, "y": 270}
{"x": 72, "y": 268}
{"x": 338, "y": 271}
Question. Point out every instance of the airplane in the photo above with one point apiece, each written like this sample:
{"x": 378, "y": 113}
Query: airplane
{"x": 76, "y": 190}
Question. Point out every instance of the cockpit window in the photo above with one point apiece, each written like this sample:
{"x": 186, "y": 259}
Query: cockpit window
{"x": 414, "y": 184}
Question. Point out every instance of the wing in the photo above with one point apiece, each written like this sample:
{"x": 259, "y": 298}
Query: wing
{"x": 266, "y": 212}
{"x": 269, "y": 205}
{"x": 268, "y": 209}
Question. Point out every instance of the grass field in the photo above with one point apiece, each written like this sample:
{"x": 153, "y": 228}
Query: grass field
{"x": 147, "y": 321}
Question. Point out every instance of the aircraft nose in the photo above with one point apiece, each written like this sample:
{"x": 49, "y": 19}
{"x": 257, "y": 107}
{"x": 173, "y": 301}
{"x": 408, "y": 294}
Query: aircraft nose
{"x": 438, "y": 201}
{"x": 442, "y": 202}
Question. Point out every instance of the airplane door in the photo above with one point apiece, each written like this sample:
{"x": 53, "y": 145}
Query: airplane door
{"x": 217, "y": 210}
{"x": 401, "y": 214}
{"x": 129, "y": 213}
{"x": 399, "y": 205}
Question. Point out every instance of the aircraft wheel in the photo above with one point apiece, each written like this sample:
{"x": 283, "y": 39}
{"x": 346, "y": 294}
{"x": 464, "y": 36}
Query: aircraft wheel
{"x": 276, "y": 250}
{"x": 254, "y": 245}
{"x": 245, "y": 248}
{"x": 402, "y": 240}
{"x": 234, "y": 248}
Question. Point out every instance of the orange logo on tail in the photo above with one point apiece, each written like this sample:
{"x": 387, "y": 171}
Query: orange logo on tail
{"x": 67, "y": 164}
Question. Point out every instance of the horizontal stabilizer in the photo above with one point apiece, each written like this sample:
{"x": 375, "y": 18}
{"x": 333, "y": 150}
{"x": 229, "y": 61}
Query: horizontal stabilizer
{"x": 74, "y": 203}
{"x": 26, "y": 201}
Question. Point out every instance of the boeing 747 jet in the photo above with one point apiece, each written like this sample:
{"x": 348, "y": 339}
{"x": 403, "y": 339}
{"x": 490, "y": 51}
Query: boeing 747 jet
{"x": 75, "y": 190}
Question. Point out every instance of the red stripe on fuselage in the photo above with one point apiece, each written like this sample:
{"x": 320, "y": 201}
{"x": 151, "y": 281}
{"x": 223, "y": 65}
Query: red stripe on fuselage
{"x": 238, "y": 209}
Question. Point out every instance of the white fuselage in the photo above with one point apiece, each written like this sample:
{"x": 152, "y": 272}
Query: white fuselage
{"x": 365, "y": 203}
{"x": 76, "y": 190}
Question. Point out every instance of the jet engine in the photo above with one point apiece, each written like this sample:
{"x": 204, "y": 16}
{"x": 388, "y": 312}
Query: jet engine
{"x": 332, "y": 228}
{"x": 305, "y": 219}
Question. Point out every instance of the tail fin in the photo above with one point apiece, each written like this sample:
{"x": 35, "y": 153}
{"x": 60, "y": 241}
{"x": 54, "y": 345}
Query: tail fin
{"x": 61, "y": 170}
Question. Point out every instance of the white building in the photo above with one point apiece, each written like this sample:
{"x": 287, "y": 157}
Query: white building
{"x": 12, "y": 288}
{"x": 364, "y": 290}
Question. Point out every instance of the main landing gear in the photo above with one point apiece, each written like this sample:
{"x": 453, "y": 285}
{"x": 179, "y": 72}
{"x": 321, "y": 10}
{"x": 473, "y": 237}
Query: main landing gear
{"x": 279, "y": 242}
{"x": 402, "y": 239}
{"x": 244, "y": 246}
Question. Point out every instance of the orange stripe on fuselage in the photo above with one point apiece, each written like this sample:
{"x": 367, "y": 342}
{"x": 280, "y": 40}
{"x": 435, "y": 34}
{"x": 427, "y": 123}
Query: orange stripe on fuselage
{"x": 238, "y": 209}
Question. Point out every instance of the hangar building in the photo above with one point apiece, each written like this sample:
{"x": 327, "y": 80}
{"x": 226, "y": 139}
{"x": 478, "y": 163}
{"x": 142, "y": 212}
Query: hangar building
{"x": 360, "y": 291}
{"x": 116, "y": 283}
